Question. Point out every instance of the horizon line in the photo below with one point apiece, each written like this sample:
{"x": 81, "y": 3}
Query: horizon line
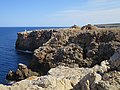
{"x": 64, "y": 25}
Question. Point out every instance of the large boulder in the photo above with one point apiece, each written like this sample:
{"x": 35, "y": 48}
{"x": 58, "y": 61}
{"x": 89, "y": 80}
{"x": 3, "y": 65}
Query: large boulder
{"x": 110, "y": 81}
{"x": 94, "y": 81}
{"x": 89, "y": 81}
{"x": 21, "y": 73}
{"x": 115, "y": 60}
{"x": 89, "y": 27}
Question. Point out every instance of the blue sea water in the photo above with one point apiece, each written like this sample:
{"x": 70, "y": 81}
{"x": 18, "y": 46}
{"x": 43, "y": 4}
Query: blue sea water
{"x": 9, "y": 57}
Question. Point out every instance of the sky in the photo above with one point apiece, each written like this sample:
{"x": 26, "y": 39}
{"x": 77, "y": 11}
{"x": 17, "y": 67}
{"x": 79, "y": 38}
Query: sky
{"x": 16, "y": 13}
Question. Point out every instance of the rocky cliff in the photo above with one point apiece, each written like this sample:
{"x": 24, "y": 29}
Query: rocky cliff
{"x": 72, "y": 59}
{"x": 76, "y": 48}
{"x": 31, "y": 40}
{"x": 99, "y": 77}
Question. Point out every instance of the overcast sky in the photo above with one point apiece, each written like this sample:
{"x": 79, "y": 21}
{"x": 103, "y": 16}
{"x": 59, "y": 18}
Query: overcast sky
{"x": 58, "y": 12}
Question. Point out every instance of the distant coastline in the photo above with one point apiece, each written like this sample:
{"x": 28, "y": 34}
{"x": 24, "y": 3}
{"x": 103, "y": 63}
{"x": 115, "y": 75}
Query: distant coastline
{"x": 112, "y": 25}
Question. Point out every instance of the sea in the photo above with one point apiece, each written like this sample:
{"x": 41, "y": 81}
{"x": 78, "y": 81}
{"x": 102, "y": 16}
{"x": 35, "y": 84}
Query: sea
{"x": 9, "y": 56}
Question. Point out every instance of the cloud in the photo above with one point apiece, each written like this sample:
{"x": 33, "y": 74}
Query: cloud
{"x": 103, "y": 4}
{"x": 93, "y": 11}
{"x": 101, "y": 1}
{"x": 83, "y": 17}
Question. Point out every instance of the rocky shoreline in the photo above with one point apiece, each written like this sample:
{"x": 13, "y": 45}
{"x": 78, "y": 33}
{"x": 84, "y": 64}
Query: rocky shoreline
{"x": 75, "y": 58}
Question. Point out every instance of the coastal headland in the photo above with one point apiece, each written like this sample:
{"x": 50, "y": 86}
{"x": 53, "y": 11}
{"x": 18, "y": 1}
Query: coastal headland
{"x": 75, "y": 58}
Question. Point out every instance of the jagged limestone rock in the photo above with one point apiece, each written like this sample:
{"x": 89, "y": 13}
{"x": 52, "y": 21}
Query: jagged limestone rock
{"x": 89, "y": 27}
{"x": 69, "y": 48}
{"x": 110, "y": 81}
{"x": 75, "y": 27}
{"x": 66, "y": 78}
{"x": 87, "y": 52}
{"x": 115, "y": 60}
{"x": 31, "y": 40}
{"x": 21, "y": 73}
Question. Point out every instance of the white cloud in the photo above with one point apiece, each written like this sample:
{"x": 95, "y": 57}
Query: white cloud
{"x": 101, "y": 1}
{"x": 103, "y": 4}
{"x": 69, "y": 17}
{"x": 93, "y": 11}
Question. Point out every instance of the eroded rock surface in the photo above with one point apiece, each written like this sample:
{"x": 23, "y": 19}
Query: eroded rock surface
{"x": 110, "y": 81}
{"x": 66, "y": 78}
{"x": 31, "y": 40}
{"x": 115, "y": 60}
{"x": 71, "y": 59}
{"x": 21, "y": 73}
{"x": 89, "y": 27}
{"x": 75, "y": 48}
